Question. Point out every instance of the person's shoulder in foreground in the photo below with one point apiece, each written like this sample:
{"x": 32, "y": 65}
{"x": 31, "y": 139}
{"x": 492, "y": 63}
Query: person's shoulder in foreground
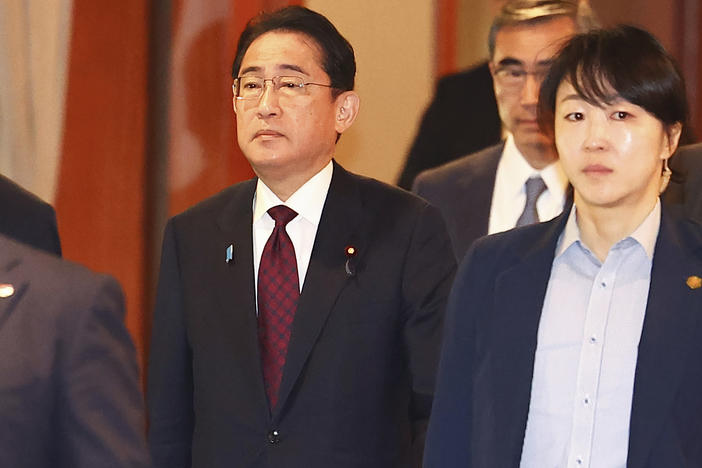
{"x": 27, "y": 218}
{"x": 68, "y": 372}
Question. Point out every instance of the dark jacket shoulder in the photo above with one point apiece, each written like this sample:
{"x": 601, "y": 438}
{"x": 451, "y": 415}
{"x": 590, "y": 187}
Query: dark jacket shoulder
{"x": 27, "y": 218}
{"x": 484, "y": 161}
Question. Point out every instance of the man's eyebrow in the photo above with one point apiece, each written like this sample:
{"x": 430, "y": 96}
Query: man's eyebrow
{"x": 284, "y": 66}
{"x": 249, "y": 70}
{"x": 296, "y": 68}
{"x": 507, "y": 61}
{"x": 545, "y": 62}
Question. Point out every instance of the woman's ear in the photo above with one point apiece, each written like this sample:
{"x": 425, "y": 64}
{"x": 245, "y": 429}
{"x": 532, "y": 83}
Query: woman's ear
{"x": 674, "y": 131}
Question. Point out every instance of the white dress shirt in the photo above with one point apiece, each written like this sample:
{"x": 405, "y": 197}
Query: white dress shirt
{"x": 307, "y": 202}
{"x": 587, "y": 346}
{"x": 509, "y": 194}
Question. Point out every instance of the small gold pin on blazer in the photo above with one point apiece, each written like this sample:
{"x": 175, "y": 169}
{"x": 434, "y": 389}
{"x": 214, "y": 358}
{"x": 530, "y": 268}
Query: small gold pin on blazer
{"x": 694, "y": 282}
{"x": 6, "y": 290}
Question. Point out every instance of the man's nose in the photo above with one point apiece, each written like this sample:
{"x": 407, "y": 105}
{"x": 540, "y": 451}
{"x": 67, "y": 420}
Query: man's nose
{"x": 530, "y": 90}
{"x": 268, "y": 100}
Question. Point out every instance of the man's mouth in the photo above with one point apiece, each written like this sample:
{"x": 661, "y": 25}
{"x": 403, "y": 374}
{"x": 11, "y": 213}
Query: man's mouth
{"x": 266, "y": 134}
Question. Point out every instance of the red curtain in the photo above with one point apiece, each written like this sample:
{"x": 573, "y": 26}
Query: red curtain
{"x": 100, "y": 196}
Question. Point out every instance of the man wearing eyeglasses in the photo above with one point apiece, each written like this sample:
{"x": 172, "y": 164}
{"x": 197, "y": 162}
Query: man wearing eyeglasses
{"x": 519, "y": 181}
{"x": 298, "y": 314}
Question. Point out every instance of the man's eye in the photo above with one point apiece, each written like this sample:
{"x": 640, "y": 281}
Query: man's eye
{"x": 251, "y": 85}
{"x": 512, "y": 72}
{"x": 621, "y": 115}
{"x": 574, "y": 116}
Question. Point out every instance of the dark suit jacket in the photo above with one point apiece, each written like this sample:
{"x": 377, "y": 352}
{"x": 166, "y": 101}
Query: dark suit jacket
{"x": 462, "y": 119}
{"x": 462, "y": 190}
{"x": 25, "y": 217}
{"x": 359, "y": 378}
{"x": 69, "y": 388}
{"x": 487, "y": 361}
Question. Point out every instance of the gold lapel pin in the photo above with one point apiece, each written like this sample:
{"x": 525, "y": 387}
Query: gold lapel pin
{"x": 6, "y": 290}
{"x": 350, "y": 252}
{"x": 694, "y": 282}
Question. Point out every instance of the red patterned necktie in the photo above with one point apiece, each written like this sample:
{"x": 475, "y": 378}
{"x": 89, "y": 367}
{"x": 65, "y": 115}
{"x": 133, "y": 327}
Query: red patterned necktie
{"x": 278, "y": 293}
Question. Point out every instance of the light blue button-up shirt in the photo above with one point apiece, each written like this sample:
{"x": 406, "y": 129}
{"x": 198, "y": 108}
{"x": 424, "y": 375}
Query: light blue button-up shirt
{"x": 587, "y": 346}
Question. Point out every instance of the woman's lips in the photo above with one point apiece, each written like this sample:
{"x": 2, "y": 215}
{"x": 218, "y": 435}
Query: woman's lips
{"x": 597, "y": 169}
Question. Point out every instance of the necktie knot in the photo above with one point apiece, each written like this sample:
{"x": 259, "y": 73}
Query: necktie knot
{"x": 534, "y": 187}
{"x": 282, "y": 215}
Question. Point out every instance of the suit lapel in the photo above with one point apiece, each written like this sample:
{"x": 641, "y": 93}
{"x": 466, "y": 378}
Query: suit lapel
{"x": 519, "y": 297}
{"x": 233, "y": 284}
{"x": 473, "y": 210}
{"x": 672, "y": 317}
{"x": 12, "y": 280}
{"x": 326, "y": 274}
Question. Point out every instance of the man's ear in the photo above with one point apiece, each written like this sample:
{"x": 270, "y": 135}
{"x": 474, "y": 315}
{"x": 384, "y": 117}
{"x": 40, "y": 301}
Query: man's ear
{"x": 347, "y": 107}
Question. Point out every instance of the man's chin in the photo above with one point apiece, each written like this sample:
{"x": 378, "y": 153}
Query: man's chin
{"x": 532, "y": 138}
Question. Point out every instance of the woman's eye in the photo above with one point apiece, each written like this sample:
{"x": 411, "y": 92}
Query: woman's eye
{"x": 574, "y": 116}
{"x": 620, "y": 115}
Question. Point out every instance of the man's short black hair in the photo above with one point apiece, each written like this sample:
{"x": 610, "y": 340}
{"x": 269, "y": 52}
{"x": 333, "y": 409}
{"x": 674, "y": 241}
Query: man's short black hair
{"x": 622, "y": 62}
{"x": 337, "y": 55}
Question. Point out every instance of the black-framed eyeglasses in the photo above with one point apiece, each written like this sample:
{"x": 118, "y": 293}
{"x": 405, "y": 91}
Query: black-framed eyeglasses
{"x": 251, "y": 87}
{"x": 514, "y": 76}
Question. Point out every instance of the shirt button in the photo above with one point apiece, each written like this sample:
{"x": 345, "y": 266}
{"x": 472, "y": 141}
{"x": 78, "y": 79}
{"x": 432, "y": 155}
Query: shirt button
{"x": 593, "y": 339}
{"x": 603, "y": 284}
{"x": 586, "y": 400}
{"x": 273, "y": 437}
{"x": 579, "y": 460}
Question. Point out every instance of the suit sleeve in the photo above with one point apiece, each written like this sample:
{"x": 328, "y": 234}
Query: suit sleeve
{"x": 429, "y": 271}
{"x": 448, "y": 435}
{"x": 170, "y": 379}
{"x": 100, "y": 406}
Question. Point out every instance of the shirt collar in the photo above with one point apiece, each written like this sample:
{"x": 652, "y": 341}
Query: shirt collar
{"x": 646, "y": 234}
{"x": 518, "y": 171}
{"x": 307, "y": 201}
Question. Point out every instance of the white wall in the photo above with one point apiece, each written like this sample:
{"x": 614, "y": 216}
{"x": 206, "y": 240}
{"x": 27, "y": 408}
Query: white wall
{"x": 394, "y": 44}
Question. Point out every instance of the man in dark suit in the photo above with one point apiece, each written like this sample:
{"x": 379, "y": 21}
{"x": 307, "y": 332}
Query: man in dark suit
{"x": 69, "y": 385}
{"x": 298, "y": 315}
{"x": 577, "y": 342}
{"x": 518, "y": 181}
{"x": 25, "y": 217}
{"x": 461, "y": 119}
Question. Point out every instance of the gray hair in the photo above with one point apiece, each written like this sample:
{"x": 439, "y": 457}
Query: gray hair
{"x": 517, "y": 12}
